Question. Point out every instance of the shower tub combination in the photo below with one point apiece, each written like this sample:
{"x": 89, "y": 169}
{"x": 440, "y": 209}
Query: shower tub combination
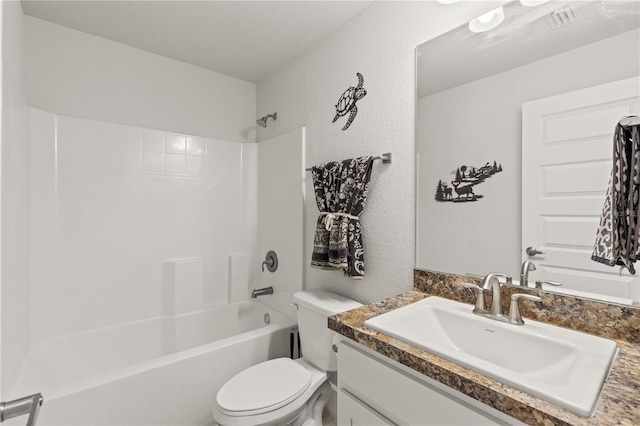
{"x": 162, "y": 371}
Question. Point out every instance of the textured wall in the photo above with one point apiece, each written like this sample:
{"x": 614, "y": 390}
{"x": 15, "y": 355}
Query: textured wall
{"x": 380, "y": 44}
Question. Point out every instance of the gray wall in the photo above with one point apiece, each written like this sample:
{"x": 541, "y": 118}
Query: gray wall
{"x": 484, "y": 236}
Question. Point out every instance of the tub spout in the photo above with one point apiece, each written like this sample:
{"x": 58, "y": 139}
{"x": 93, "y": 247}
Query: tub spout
{"x": 261, "y": 292}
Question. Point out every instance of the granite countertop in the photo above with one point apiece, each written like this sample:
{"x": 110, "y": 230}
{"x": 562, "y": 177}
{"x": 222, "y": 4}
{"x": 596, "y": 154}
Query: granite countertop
{"x": 619, "y": 402}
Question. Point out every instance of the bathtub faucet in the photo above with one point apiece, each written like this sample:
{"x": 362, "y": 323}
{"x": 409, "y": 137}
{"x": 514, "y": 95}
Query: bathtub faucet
{"x": 261, "y": 292}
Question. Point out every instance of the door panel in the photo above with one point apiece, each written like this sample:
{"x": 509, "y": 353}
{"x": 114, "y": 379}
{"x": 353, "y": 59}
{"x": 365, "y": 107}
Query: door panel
{"x": 566, "y": 165}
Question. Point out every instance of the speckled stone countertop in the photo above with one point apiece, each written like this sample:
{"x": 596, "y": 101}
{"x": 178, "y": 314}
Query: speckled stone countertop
{"x": 619, "y": 402}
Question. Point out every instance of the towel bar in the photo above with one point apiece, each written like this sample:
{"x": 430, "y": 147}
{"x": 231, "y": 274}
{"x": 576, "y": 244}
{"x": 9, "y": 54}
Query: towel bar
{"x": 386, "y": 159}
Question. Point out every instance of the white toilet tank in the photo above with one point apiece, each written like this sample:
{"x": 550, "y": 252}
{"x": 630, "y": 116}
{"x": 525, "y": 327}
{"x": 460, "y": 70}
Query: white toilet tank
{"x": 314, "y": 307}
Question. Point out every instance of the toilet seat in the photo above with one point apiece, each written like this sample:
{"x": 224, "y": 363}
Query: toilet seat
{"x": 279, "y": 413}
{"x": 263, "y": 387}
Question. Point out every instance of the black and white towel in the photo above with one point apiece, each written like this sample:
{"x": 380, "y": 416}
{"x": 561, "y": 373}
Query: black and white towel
{"x": 618, "y": 238}
{"x": 341, "y": 191}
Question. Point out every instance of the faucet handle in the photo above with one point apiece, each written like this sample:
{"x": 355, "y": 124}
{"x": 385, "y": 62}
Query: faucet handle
{"x": 514, "y": 310}
{"x": 540, "y": 282}
{"x": 508, "y": 279}
{"x": 480, "y": 304}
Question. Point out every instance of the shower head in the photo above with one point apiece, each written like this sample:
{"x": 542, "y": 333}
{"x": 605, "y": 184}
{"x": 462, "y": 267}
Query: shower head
{"x": 262, "y": 122}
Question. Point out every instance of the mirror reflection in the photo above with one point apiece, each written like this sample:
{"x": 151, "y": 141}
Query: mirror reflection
{"x": 514, "y": 133}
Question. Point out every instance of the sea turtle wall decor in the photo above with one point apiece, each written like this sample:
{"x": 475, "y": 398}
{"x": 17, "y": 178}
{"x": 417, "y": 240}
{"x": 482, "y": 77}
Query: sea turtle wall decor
{"x": 347, "y": 102}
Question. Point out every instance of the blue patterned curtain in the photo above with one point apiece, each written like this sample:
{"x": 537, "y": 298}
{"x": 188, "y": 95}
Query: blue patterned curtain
{"x": 341, "y": 191}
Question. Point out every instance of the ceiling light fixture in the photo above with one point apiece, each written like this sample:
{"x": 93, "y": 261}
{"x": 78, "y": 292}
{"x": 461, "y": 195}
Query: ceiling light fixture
{"x": 487, "y": 21}
{"x": 448, "y": 1}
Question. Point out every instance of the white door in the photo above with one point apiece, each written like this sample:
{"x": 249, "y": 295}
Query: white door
{"x": 567, "y": 145}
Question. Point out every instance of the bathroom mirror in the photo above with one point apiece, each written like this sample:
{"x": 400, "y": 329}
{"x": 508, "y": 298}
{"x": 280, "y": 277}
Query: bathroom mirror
{"x": 470, "y": 91}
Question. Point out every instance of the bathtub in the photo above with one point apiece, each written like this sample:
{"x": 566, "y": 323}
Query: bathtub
{"x": 162, "y": 371}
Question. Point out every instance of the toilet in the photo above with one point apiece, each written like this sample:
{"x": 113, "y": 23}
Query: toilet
{"x": 284, "y": 391}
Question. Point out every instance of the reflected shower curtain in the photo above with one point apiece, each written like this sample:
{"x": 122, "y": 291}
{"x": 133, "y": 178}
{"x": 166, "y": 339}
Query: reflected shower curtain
{"x": 341, "y": 191}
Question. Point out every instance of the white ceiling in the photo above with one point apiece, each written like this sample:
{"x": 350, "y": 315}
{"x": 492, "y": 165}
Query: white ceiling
{"x": 527, "y": 34}
{"x": 248, "y": 40}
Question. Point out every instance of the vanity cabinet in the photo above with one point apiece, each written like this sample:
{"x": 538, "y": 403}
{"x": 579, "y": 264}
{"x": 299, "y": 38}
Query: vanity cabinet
{"x": 353, "y": 412}
{"x": 375, "y": 390}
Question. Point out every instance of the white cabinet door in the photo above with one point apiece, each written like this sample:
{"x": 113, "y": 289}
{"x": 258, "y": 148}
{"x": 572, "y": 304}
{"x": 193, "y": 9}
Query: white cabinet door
{"x": 567, "y": 146}
{"x": 402, "y": 398}
{"x": 353, "y": 412}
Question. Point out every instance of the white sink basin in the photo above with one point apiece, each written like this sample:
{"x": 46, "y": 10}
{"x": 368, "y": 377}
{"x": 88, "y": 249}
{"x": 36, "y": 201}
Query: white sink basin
{"x": 564, "y": 367}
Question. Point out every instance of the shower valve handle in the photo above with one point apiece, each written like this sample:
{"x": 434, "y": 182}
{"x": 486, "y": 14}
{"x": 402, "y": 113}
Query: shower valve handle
{"x": 269, "y": 264}
{"x": 271, "y": 261}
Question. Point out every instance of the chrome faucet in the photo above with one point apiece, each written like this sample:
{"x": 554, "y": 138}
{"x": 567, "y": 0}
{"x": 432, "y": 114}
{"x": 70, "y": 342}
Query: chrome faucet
{"x": 507, "y": 278}
{"x": 261, "y": 292}
{"x": 526, "y": 267}
{"x": 491, "y": 282}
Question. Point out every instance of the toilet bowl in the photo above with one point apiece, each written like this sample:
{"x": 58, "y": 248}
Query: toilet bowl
{"x": 284, "y": 391}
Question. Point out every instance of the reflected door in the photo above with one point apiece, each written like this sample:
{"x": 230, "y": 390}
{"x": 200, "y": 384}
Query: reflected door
{"x": 566, "y": 164}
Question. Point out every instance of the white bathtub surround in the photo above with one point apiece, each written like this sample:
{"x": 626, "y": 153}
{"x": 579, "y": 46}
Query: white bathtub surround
{"x": 110, "y": 204}
{"x": 131, "y": 230}
{"x": 14, "y": 231}
{"x": 280, "y": 216}
{"x": 240, "y": 276}
{"x": 183, "y": 286}
{"x": 161, "y": 371}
